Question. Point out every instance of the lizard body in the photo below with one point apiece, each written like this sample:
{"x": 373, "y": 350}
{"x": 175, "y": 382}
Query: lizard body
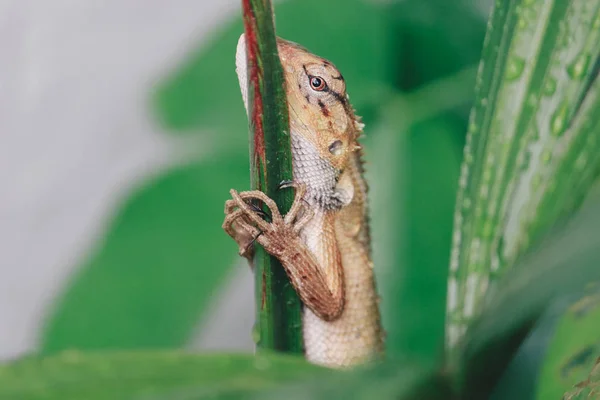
{"x": 323, "y": 242}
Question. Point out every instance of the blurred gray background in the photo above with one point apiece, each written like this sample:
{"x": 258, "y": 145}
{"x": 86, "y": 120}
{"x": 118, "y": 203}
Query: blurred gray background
{"x": 76, "y": 138}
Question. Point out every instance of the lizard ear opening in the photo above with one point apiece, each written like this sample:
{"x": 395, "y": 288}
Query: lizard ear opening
{"x": 336, "y": 148}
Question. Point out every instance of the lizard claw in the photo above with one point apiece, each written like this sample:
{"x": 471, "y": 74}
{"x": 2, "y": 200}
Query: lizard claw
{"x": 246, "y": 223}
{"x": 260, "y": 212}
{"x": 300, "y": 205}
{"x": 285, "y": 185}
{"x": 241, "y": 230}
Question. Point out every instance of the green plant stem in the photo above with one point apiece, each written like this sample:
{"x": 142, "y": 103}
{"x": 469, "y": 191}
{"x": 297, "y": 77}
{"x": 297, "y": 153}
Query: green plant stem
{"x": 278, "y": 308}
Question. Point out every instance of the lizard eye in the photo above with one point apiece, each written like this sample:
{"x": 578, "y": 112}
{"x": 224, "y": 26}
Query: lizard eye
{"x": 317, "y": 83}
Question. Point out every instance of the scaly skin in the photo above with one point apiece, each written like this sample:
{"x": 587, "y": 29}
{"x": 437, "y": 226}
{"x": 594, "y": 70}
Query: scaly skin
{"x": 323, "y": 242}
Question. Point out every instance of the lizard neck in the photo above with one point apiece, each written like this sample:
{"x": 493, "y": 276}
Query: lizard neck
{"x": 319, "y": 176}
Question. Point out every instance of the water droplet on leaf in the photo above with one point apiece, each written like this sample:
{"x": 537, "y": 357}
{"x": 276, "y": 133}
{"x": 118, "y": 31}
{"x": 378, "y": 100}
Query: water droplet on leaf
{"x": 579, "y": 67}
{"x": 559, "y": 120}
{"x": 526, "y": 160}
{"x": 546, "y": 156}
{"x": 466, "y": 204}
{"x": 549, "y": 87}
{"x": 581, "y": 161}
{"x": 514, "y": 68}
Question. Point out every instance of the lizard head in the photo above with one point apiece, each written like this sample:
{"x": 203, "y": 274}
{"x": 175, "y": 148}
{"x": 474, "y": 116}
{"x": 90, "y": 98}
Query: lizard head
{"x": 323, "y": 127}
{"x": 318, "y": 103}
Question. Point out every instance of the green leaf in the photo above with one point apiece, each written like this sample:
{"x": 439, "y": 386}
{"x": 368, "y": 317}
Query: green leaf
{"x": 519, "y": 380}
{"x": 531, "y": 148}
{"x": 278, "y": 308}
{"x": 160, "y": 375}
{"x": 412, "y": 161}
{"x": 151, "y": 278}
{"x": 573, "y": 350}
{"x": 588, "y": 388}
{"x": 433, "y": 38}
{"x": 168, "y": 375}
{"x": 415, "y": 322}
{"x": 562, "y": 265}
{"x": 394, "y": 380}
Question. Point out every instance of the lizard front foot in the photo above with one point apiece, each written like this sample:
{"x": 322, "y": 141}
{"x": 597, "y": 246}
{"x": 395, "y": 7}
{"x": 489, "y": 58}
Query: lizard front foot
{"x": 246, "y": 223}
{"x": 279, "y": 236}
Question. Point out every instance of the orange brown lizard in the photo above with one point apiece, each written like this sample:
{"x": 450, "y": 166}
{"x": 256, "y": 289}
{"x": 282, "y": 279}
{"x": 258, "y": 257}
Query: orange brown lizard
{"x": 323, "y": 242}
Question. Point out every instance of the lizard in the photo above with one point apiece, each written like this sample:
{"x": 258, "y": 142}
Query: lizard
{"x": 323, "y": 242}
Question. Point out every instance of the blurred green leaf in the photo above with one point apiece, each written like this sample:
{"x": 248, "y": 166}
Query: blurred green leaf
{"x": 161, "y": 375}
{"x": 163, "y": 257}
{"x": 388, "y": 381}
{"x": 531, "y": 152}
{"x": 412, "y": 165}
{"x": 432, "y": 38}
{"x": 588, "y": 388}
{"x": 561, "y": 265}
{"x": 519, "y": 380}
{"x": 430, "y": 161}
{"x": 573, "y": 350}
